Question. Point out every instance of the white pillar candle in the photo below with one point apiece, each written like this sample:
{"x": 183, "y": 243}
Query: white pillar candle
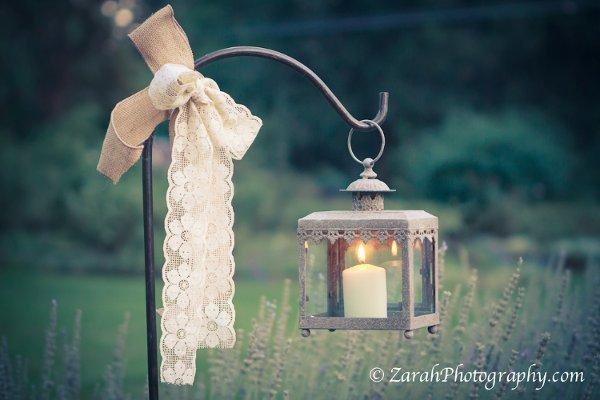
{"x": 365, "y": 290}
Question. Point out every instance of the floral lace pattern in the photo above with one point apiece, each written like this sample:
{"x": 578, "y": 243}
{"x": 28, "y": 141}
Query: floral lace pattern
{"x": 208, "y": 131}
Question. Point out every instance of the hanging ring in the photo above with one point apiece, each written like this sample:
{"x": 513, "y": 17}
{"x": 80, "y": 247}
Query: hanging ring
{"x": 367, "y": 160}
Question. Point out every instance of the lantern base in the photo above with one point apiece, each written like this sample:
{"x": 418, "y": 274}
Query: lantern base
{"x": 394, "y": 322}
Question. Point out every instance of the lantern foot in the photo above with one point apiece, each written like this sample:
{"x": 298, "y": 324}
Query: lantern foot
{"x": 433, "y": 329}
{"x": 409, "y": 334}
{"x": 305, "y": 332}
{"x": 331, "y": 330}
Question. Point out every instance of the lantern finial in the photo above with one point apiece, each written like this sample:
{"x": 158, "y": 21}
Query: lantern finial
{"x": 367, "y": 192}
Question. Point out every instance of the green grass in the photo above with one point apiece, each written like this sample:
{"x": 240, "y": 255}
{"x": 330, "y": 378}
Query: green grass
{"x": 25, "y": 299}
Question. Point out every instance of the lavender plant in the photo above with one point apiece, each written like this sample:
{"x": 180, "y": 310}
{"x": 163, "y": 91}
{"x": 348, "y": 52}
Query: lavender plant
{"x": 542, "y": 317}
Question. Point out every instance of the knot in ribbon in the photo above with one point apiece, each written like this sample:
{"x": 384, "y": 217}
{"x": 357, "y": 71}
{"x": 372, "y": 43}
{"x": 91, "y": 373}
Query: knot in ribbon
{"x": 174, "y": 85}
{"x": 207, "y": 130}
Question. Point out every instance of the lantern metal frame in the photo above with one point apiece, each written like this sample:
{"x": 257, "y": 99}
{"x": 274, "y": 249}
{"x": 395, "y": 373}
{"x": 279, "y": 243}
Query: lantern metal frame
{"x": 239, "y": 51}
{"x": 405, "y": 227}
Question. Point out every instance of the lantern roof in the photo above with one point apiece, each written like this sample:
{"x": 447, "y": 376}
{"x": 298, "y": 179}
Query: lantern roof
{"x": 368, "y": 185}
{"x": 386, "y": 219}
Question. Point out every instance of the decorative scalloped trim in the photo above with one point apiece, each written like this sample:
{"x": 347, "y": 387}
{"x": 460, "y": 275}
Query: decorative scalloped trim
{"x": 382, "y": 235}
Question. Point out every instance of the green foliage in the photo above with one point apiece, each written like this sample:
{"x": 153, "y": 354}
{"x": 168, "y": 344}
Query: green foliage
{"x": 70, "y": 218}
{"x": 59, "y": 209}
{"x": 495, "y": 168}
{"x": 475, "y": 158}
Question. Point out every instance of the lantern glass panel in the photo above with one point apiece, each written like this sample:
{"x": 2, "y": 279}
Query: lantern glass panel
{"x": 316, "y": 278}
{"x": 368, "y": 276}
{"x": 424, "y": 269}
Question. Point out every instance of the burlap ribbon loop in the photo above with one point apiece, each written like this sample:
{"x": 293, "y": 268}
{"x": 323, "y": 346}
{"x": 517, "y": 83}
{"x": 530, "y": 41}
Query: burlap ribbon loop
{"x": 208, "y": 130}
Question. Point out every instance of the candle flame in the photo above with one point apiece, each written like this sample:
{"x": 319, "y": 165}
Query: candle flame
{"x": 394, "y": 248}
{"x": 361, "y": 253}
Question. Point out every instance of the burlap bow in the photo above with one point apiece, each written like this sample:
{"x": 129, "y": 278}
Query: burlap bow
{"x": 208, "y": 129}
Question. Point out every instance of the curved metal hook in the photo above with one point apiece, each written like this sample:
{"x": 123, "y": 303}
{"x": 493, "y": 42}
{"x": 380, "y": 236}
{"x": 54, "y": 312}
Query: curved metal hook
{"x": 251, "y": 51}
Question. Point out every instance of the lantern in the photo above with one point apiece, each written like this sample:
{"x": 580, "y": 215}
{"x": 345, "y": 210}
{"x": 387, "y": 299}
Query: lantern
{"x": 368, "y": 268}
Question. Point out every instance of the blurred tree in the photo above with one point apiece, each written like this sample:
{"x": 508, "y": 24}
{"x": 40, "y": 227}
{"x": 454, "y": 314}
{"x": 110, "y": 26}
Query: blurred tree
{"x": 452, "y": 67}
{"x": 488, "y": 165}
{"x": 57, "y": 54}
{"x": 475, "y": 157}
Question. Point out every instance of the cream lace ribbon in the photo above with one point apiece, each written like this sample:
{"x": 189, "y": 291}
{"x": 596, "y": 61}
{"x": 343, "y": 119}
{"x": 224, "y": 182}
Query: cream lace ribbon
{"x": 208, "y": 130}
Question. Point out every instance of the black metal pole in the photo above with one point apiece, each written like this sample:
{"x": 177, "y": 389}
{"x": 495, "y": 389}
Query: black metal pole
{"x": 149, "y": 269}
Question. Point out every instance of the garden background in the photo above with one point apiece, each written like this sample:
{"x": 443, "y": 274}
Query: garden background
{"x": 494, "y": 127}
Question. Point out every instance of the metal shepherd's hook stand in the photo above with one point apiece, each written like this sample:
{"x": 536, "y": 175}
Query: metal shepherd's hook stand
{"x": 240, "y": 51}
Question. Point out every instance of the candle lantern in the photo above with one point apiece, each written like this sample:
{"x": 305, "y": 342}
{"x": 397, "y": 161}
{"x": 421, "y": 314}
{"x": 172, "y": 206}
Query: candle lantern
{"x": 368, "y": 268}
